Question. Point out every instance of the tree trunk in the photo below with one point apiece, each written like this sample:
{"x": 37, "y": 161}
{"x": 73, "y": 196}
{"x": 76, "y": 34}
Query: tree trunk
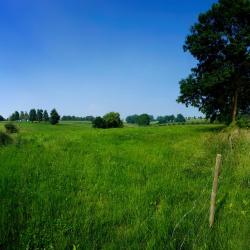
{"x": 235, "y": 106}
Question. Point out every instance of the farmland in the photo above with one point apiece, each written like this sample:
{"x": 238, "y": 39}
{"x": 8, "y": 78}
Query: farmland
{"x": 70, "y": 186}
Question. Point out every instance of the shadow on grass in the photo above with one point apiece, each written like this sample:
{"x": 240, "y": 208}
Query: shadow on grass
{"x": 211, "y": 128}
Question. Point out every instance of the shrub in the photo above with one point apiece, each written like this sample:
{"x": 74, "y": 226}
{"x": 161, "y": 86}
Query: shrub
{"x": 113, "y": 120}
{"x": 99, "y": 122}
{"x": 110, "y": 120}
{"x": 244, "y": 121}
{"x": 143, "y": 120}
{"x": 11, "y": 128}
{"x": 5, "y": 139}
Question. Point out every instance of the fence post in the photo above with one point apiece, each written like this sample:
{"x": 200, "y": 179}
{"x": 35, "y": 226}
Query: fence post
{"x": 215, "y": 189}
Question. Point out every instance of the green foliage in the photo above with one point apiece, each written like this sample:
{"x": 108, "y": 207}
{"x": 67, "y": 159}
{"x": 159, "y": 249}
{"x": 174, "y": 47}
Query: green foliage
{"x": 143, "y": 120}
{"x": 165, "y": 119}
{"x": 2, "y": 118}
{"x": 22, "y": 116}
{"x": 110, "y": 120}
{"x": 54, "y": 117}
{"x": 26, "y": 116}
{"x": 39, "y": 115}
{"x": 113, "y": 120}
{"x": 244, "y": 121}
{"x": 220, "y": 83}
{"x": 15, "y": 116}
{"x": 151, "y": 118}
{"x": 77, "y": 118}
{"x": 32, "y": 115}
{"x": 180, "y": 118}
{"x": 132, "y": 119}
{"x": 45, "y": 116}
{"x": 11, "y": 128}
{"x": 99, "y": 122}
{"x": 131, "y": 188}
{"x": 5, "y": 139}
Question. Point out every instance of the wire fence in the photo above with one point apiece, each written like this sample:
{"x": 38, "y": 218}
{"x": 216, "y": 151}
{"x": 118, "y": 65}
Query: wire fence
{"x": 198, "y": 221}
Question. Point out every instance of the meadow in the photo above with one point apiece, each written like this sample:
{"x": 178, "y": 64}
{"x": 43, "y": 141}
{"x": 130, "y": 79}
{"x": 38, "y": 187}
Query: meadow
{"x": 70, "y": 186}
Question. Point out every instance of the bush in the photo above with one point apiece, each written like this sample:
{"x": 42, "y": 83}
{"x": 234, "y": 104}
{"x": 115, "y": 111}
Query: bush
{"x": 113, "y": 120}
{"x": 98, "y": 122}
{"x": 5, "y": 139}
{"x": 11, "y": 128}
{"x": 110, "y": 120}
{"x": 244, "y": 121}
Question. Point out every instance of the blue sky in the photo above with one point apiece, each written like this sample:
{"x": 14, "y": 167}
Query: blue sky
{"x": 94, "y": 56}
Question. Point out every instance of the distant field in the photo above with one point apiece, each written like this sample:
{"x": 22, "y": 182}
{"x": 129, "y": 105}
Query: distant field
{"x": 70, "y": 186}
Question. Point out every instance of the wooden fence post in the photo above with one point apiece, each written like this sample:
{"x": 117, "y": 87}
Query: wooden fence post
{"x": 215, "y": 189}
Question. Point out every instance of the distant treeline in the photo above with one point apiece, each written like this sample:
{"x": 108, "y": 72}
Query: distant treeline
{"x": 137, "y": 119}
{"x": 34, "y": 115}
{"x": 110, "y": 120}
{"x": 77, "y": 118}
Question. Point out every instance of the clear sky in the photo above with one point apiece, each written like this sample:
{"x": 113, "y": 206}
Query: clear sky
{"x": 89, "y": 57}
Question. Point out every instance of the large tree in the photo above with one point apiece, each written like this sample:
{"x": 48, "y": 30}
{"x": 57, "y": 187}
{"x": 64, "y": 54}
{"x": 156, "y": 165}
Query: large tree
{"x": 143, "y": 120}
{"x": 54, "y": 117}
{"x": 39, "y": 114}
{"x": 22, "y": 117}
{"x": 32, "y": 115}
{"x": 15, "y": 116}
{"x": 132, "y": 119}
{"x": 45, "y": 116}
{"x": 180, "y": 118}
{"x": 220, "y": 41}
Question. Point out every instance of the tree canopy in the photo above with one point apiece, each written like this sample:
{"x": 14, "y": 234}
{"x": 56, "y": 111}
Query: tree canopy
{"x": 143, "y": 120}
{"x": 54, "y": 117}
{"x": 110, "y": 120}
{"x": 180, "y": 118}
{"x": 113, "y": 120}
{"x": 165, "y": 119}
{"x": 98, "y": 122}
{"x": 45, "y": 116}
{"x": 39, "y": 115}
{"x": 132, "y": 119}
{"x": 32, "y": 115}
{"x": 220, "y": 83}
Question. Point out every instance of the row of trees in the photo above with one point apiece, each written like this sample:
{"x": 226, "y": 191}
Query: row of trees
{"x": 110, "y": 120}
{"x": 138, "y": 119}
{"x": 171, "y": 119}
{"x": 142, "y": 120}
{"x": 145, "y": 119}
{"x": 113, "y": 120}
{"x": 34, "y": 115}
{"x": 89, "y": 118}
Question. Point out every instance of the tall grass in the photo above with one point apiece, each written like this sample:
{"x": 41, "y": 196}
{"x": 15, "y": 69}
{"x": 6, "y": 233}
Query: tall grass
{"x": 71, "y": 186}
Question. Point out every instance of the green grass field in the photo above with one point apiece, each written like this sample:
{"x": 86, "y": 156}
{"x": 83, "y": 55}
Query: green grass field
{"x": 70, "y": 186}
